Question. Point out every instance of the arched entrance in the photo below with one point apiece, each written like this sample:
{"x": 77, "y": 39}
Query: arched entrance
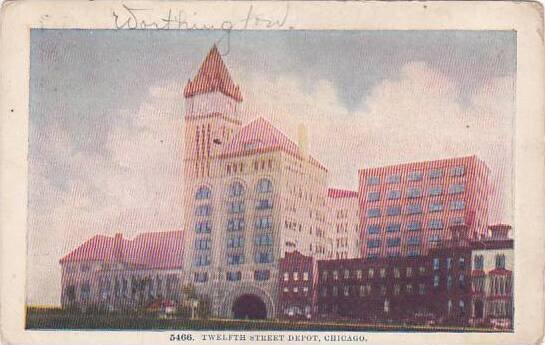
{"x": 249, "y": 307}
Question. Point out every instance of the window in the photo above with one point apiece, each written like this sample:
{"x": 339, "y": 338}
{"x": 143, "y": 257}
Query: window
{"x": 393, "y": 194}
{"x": 414, "y": 193}
{"x": 435, "y": 207}
{"x": 500, "y": 261}
{"x": 262, "y": 275}
{"x": 372, "y": 256}
{"x": 305, "y": 276}
{"x": 346, "y": 291}
{"x": 393, "y": 227}
{"x": 413, "y": 253}
{"x": 203, "y": 193}
{"x": 373, "y": 212}
{"x": 201, "y": 243}
{"x": 397, "y": 289}
{"x": 449, "y": 282}
{"x": 235, "y": 259}
{"x": 203, "y": 227}
{"x": 295, "y": 276}
{"x": 421, "y": 289}
{"x": 371, "y": 273}
{"x": 235, "y": 224}
{"x": 324, "y": 275}
{"x": 335, "y": 275}
{"x": 457, "y": 221}
{"x": 234, "y": 276}
{"x": 264, "y": 240}
{"x": 334, "y": 291}
{"x": 458, "y": 171}
{"x": 436, "y": 264}
{"x": 393, "y": 210}
{"x": 263, "y": 258}
{"x": 372, "y": 180}
{"x": 435, "y": 173}
{"x": 235, "y": 242}
{"x": 263, "y": 222}
{"x": 409, "y": 272}
{"x": 203, "y": 210}
{"x": 409, "y": 289}
{"x": 435, "y": 224}
{"x": 286, "y": 276}
{"x": 413, "y": 241}
{"x": 397, "y": 273}
{"x": 422, "y": 270}
{"x": 373, "y": 243}
{"x": 415, "y": 176}
{"x": 394, "y": 242}
{"x": 264, "y": 186}
{"x": 414, "y": 225}
{"x": 236, "y": 189}
{"x": 414, "y": 209}
{"x": 394, "y": 178}
{"x": 434, "y": 238}
{"x": 264, "y": 204}
{"x": 346, "y": 274}
{"x": 373, "y": 196}
{"x": 200, "y": 277}
{"x": 456, "y": 188}
{"x": 462, "y": 281}
{"x": 457, "y": 205}
{"x": 202, "y": 260}
{"x": 382, "y": 272}
{"x": 449, "y": 263}
{"x": 435, "y": 191}
{"x": 373, "y": 229}
{"x": 359, "y": 274}
{"x": 478, "y": 262}
{"x": 462, "y": 263}
{"x": 236, "y": 207}
{"x": 436, "y": 280}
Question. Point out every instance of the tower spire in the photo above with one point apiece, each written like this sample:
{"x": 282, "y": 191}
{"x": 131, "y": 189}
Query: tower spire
{"x": 213, "y": 76}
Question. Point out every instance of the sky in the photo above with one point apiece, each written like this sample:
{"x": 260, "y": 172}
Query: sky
{"x": 106, "y": 117}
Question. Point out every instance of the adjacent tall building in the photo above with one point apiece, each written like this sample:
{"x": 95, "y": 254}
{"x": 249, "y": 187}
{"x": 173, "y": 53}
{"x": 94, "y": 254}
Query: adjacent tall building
{"x": 408, "y": 208}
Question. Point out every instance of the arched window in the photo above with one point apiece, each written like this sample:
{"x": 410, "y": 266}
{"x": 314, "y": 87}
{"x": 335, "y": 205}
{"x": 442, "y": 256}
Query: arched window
{"x": 203, "y": 193}
{"x": 236, "y": 189}
{"x": 264, "y": 186}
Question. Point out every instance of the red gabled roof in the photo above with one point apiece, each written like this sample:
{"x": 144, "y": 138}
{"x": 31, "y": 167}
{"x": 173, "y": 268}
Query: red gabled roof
{"x": 147, "y": 250}
{"x": 213, "y": 76}
{"x": 341, "y": 193}
{"x": 261, "y": 136}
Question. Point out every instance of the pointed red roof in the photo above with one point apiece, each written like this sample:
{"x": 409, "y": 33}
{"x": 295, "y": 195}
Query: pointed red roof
{"x": 213, "y": 76}
{"x": 147, "y": 250}
{"x": 258, "y": 136}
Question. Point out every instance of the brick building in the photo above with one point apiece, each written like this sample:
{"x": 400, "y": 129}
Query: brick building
{"x": 405, "y": 209}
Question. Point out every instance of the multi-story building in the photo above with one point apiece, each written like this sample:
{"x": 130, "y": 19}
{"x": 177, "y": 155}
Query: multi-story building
{"x": 113, "y": 273}
{"x": 297, "y": 294}
{"x": 405, "y": 209}
{"x": 251, "y": 194}
{"x": 492, "y": 279}
{"x": 344, "y": 223}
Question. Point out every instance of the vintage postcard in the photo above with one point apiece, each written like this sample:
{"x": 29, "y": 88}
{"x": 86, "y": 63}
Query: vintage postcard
{"x": 280, "y": 172}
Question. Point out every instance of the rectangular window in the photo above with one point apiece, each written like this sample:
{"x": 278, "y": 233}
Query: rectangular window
{"x": 413, "y": 253}
{"x": 414, "y": 226}
{"x": 435, "y": 173}
{"x": 262, "y": 275}
{"x": 373, "y": 229}
{"x": 458, "y": 171}
{"x": 457, "y": 205}
{"x": 393, "y": 227}
{"x": 372, "y": 256}
{"x": 434, "y": 238}
{"x": 263, "y": 222}
{"x": 234, "y": 276}
{"x": 202, "y": 260}
{"x": 373, "y": 243}
{"x": 373, "y": 212}
{"x": 237, "y": 259}
{"x": 435, "y": 207}
{"x": 264, "y": 240}
{"x": 295, "y": 276}
{"x": 414, "y": 193}
{"x": 415, "y": 176}
{"x": 373, "y": 196}
{"x": 436, "y": 263}
{"x": 373, "y": 180}
{"x": 456, "y": 188}
{"x": 394, "y": 178}
{"x": 457, "y": 221}
{"x": 264, "y": 204}
{"x": 393, "y": 194}
{"x": 203, "y": 210}
{"x": 235, "y": 242}
{"x": 305, "y": 276}
{"x": 393, "y": 210}
{"x": 286, "y": 276}
{"x": 200, "y": 277}
{"x": 413, "y": 241}
{"x": 435, "y": 191}
{"x": 414, "y": 209}
{"x": 264, "y": 258}
{"x": 235, "y": 224}
{"x": 394, "y": 242}
{"x": 202, "y": 243}
{"x": 236, "y": 207}
{"x": 435, "y": 224}
{"x": 203, "y": 227}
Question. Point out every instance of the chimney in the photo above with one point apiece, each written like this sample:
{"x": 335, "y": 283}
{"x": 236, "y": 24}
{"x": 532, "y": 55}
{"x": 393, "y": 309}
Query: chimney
{"x": 118, "y": 246}
{"x": 302, "y": 140}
